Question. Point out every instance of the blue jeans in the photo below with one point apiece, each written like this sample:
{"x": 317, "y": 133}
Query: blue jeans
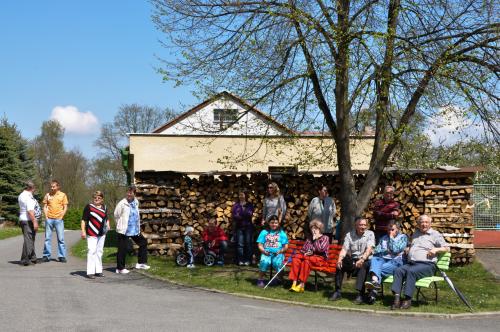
{"x": 244, "y": 250}
{"x": 58, "y": 224}
{"x": 383, "y": 267}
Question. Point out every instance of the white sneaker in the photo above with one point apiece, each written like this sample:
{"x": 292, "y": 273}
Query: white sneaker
{"x": 142, "y": 266}
{"x": 122, "y": 271}
{"x": 190, "y": 266}
{"x": 247, "y": 263}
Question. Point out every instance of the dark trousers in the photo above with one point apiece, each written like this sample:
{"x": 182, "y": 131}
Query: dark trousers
{"x": 409, "y": 274}
{"x": 348, "y": 265}
{"x": 28, "y": 253}
{"x": 244, "y": 250}
{"x": 122, "y": 249}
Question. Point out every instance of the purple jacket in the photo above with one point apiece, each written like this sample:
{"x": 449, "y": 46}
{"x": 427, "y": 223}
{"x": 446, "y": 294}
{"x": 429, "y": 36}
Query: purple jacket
{"x": 242, "y": 215}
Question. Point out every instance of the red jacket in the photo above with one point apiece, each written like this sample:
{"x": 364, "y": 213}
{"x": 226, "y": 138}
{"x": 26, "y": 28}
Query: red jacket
{"x": 217, "y": 235}
{"x": 382, "y": 212}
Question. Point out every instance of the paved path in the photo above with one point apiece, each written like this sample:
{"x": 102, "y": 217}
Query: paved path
{"x": 56, "y": 297}
{"x": 490, "y": 258}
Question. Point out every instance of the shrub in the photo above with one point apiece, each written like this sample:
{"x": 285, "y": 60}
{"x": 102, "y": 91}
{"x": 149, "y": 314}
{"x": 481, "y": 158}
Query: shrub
{"x": 73, "y": 218}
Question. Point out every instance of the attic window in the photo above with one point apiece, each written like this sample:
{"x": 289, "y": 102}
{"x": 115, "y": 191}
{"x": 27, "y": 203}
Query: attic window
{"x": 225, "y": 117}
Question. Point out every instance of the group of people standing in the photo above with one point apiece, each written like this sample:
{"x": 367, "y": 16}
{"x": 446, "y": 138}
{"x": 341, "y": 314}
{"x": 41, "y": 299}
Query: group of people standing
{"x": 94, "y": 226}
{"x": 55, "y": 205}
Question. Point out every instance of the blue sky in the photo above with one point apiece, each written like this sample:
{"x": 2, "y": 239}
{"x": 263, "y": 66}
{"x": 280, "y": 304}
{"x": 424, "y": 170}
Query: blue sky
{"x": 91, "y": 55}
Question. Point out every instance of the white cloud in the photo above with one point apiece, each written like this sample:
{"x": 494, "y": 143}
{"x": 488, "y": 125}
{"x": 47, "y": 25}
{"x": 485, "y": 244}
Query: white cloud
{"x": 74, "y": 121}
{"x": 452, "y": 124}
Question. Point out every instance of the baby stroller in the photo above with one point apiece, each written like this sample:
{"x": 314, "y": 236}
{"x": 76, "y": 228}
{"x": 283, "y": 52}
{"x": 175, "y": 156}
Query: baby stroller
{"x": 209, "y": 256}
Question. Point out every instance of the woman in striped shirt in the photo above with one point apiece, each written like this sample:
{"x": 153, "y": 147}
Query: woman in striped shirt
{"x": 314, "y": 253}
{"x": 94, "y": 226}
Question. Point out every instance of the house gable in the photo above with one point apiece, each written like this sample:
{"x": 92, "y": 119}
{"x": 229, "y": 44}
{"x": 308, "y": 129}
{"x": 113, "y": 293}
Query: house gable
{"x": 224, "y": 114}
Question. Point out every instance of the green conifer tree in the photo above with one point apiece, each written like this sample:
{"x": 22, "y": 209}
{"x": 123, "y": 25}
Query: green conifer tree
{"x": 16, "y": 166}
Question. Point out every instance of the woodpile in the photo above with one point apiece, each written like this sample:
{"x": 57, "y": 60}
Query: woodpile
{"x": 449, "y": 202}
{"x": 171, "y": 201}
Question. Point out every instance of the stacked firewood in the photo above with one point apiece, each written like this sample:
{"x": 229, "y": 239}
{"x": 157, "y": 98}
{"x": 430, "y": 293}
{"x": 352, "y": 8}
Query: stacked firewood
{"x": 171, "y": 201}
{"x": 160, "y": 209}
{"x": 449, "y": 202}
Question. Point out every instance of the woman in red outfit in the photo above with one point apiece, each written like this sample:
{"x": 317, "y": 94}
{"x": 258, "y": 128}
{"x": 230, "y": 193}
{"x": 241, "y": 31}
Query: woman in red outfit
{"x": 314, "y": 253}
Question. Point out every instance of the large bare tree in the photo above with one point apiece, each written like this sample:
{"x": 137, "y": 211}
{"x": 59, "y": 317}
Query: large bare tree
{"x": 132, "y": 118}
{"x": 318, "y": 63}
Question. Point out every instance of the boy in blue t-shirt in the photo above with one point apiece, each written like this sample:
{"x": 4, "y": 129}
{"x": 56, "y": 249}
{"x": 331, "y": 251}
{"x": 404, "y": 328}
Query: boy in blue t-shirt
{"x": 272, "y": 244}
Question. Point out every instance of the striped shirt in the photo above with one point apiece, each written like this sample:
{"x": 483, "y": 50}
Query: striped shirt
{"x": 95, "y": 219}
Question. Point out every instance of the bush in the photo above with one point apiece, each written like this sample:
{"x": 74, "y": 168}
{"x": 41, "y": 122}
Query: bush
{"x": 73, "y": 218}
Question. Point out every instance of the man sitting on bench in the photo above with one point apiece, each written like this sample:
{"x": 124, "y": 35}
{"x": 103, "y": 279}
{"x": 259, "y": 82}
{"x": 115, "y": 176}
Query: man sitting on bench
{"x": 354, "y": 257}
{"x": 426, "y": 243}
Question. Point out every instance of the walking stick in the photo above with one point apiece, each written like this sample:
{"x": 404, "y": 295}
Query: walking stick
{"x": 287, "y": 261}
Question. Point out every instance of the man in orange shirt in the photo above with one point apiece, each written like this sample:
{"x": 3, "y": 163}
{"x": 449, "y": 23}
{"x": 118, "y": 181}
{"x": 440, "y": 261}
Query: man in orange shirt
{"x": 55, "y": 204}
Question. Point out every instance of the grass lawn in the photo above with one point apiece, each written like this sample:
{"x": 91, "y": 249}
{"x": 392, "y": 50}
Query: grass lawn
{"x": 10, "y": 231}
{"x": 6, "y": 232}
{"x": 473, "y": 280}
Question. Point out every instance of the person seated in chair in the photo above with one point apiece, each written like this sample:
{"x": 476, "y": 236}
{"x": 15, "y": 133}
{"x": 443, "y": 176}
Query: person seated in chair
{"x": 214, "y": 237}
{"x": 387, "y": 256}
{"x": 314, "y": 253}
{"x": 426, "y": 244}
{"x": 355, "y": 257}
{"x": 272, "y": 243}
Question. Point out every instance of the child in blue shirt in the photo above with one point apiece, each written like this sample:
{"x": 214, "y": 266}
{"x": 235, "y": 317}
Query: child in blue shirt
{"x": 272, "y": 243}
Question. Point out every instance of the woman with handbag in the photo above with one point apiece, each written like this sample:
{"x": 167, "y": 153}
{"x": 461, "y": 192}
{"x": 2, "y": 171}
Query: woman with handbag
{"x": 94, "y": 225}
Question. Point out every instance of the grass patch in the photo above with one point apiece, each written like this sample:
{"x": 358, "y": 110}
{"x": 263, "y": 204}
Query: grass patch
{"x": 478, "y": 285}
{"x": 6, "y": 232}
{"x": 11, "y": 231}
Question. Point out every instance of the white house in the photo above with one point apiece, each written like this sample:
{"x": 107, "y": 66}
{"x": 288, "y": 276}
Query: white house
{"x": 224, "y": 114}
{"x": 226, "y": 134}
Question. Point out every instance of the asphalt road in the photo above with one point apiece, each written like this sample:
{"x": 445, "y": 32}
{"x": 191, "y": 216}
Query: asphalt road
{"x": 57, "y": 297}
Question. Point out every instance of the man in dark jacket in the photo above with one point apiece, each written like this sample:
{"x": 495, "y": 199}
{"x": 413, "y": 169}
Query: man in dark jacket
{"x": 385, "y": 210}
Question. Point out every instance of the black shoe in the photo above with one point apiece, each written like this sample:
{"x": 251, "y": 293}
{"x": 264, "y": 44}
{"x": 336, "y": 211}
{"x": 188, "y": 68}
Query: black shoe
{"x": 34, "y": 261}
{"x": 45, "y": 259}
{"x": 26, "y": 263}
{"x": 372, "y": 297}
{"x": 397, "y": 304}
{"x": 100, "y": 275}
{"x": 90, "y": 276}
{"x": 358, "y": 299}
{"x": 406, "y": 304}
{"x": 335, "y": 296}
{"x": 62, "y": 260}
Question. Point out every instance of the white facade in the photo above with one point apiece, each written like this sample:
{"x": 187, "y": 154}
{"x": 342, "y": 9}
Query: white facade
{"x": 204, "y": 122}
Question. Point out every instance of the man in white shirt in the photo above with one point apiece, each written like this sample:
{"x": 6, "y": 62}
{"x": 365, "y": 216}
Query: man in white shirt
{"x": 28, "y": 223}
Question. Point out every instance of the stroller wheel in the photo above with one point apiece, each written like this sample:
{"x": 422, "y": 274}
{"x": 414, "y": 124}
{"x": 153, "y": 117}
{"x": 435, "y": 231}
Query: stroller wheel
{"x": 182, "y": 258}
{"x": 209, "y": 260}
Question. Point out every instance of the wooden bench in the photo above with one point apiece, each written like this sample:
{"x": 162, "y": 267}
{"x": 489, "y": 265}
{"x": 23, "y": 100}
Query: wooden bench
{"x": 443, "y": 264}
{"x": 329, "y": 268}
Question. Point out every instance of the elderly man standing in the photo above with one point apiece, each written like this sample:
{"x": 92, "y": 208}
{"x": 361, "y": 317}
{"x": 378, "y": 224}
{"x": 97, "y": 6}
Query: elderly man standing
{"x": 55, "y": 205}
{"x": 28, "y": 223}
{"x": 426, "y": 244}
{"x": 354, "y": 257}
{"x": 322, "y": 208}
{"x": 385, "y": 210}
